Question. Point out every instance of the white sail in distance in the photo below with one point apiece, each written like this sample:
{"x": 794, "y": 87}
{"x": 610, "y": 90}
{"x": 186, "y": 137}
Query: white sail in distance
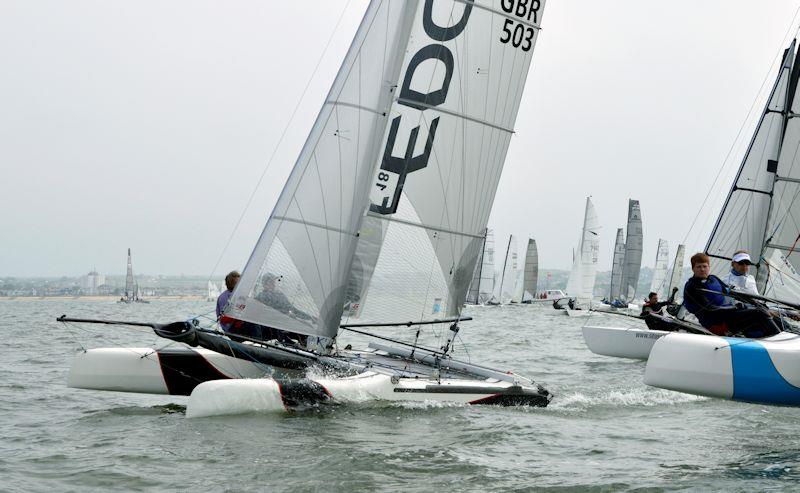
{"x": 508, "y": 275}
{"x": 633, "y": 252}
{"x": 385, "y": 208}
{"x": 742, "y": 223}
{"x": 130, "y": 289}
{"x": 676, "y": 274}
{"x": 530, "y": 277}
{"x": 658, "y": 283}
{"x": 482, "y": 284}
{"x": 617, "y": 266}
{"x": 580, "y": 283}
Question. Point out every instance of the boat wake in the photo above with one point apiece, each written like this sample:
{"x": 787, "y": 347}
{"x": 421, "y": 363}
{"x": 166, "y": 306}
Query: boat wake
{"x": 639, "y": 397}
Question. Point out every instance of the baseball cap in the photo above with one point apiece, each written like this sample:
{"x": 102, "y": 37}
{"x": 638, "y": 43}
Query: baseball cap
{"x": 742, "y": 258}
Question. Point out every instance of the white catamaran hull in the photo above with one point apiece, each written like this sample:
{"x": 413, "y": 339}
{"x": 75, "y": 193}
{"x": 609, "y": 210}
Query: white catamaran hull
{"x": 227, "y": 397}
{"x": 220, "y": 384}
{"x": 174, "y": 371}
{"x": 765, "y": 371}
{"x": 621, "y": 342}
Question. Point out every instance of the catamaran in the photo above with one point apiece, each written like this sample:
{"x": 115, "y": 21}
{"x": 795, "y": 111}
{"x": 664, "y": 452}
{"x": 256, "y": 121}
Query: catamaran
{"x": 626, "y": 263}
{"x": 580, "y": 284}
{"x": 132, "y": 292}
{"x": 760, "y": 215}
{"x": 380, "y": 225}
{"x": 636, "y": 340}
{"x": 504, "y": 289}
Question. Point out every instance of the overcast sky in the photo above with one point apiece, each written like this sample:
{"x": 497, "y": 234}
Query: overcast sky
{"x": 148, "y": 124}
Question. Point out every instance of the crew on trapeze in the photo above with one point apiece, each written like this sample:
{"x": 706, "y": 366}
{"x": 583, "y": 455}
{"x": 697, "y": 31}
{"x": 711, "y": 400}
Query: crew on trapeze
{"x": 704, "y": 295}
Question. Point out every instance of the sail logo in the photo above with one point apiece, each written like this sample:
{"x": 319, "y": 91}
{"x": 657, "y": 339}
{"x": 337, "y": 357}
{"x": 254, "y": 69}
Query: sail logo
{"x": 391, "y": 176}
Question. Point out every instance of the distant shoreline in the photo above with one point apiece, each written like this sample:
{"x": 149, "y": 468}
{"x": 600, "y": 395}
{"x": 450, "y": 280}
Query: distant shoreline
{"x": 191, "y": 297}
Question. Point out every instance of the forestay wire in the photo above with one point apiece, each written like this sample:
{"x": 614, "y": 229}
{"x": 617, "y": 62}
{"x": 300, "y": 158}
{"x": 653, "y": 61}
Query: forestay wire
{"x": 280, "y": 141}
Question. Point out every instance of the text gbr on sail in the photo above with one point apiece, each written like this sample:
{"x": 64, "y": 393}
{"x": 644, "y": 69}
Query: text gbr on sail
{"x": 393, "y": 171}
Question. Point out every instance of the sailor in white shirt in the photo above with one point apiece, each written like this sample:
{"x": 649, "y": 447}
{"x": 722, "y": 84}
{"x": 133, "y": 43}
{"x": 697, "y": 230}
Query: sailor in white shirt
{"x": 738, "y": 278}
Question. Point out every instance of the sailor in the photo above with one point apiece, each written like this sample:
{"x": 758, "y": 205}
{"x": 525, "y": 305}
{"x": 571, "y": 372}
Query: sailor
{"x": 652, "y": 305}
{"x": 272, "y": 296}
{"x": 653, "y": 310}
{"x": 230, "y": 282}
{"x": 738, "y": 278}
{"x": 704, "y": 296}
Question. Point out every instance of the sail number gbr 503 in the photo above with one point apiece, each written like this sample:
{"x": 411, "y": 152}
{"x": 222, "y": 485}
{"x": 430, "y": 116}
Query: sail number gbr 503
{"x": 416, "y": 94}
{"x": 516, "y": 33}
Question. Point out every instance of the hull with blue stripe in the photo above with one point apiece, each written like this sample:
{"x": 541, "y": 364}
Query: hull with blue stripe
{"x": 765, "y": 371}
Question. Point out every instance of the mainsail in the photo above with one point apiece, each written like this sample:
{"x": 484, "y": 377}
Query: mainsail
{"x": 658, "y": 283}
{"x": 508, "y": 276}
{"x": 676, "y": 275}
{"x": 385, "y": 208}
{"x": 618, "y": 264}
{"x": 633, "y": 252}
{"x": 130, "y": 290}
{"x": 760, "y": 192}
{"x": 482, "y": 285}
{"x": 783, "y": 224}
{"x": 584, "y": 266}
{"x": 530, "y": 276}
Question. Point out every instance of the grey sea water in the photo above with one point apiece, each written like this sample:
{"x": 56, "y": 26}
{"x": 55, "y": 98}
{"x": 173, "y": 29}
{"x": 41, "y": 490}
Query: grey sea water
{"x": 604, "y": 431}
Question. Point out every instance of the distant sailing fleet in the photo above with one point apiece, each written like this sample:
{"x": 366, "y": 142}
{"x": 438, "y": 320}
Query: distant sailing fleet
{"x": 513, "y": 284}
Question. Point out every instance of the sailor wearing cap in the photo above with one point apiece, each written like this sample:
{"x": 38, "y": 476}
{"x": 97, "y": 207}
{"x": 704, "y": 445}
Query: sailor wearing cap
{"x": 738, "y": 278}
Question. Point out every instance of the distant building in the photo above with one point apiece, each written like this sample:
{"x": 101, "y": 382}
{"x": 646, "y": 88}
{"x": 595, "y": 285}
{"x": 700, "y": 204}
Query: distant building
{"x": 92, "y": 281}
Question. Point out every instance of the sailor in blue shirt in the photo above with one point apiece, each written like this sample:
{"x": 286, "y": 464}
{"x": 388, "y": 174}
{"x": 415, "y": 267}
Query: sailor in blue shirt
{"x": 715, "y": 311}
